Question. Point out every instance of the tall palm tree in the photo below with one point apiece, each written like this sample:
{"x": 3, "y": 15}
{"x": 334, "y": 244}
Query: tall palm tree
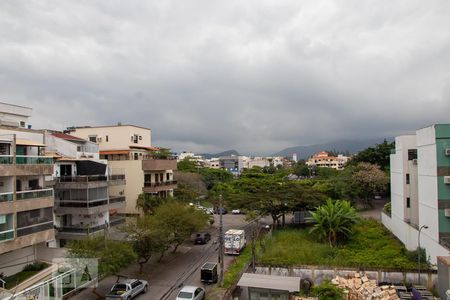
{"x": 335, "y": 221}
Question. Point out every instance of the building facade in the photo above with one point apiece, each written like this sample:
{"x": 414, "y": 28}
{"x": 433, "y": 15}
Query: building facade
{"x": 84, "y": 205}
{"x": 128, "y": 148}
{"x": 26, "y": 198}
{"x": 420, "y": 190}
{"x": 323, "y": 159}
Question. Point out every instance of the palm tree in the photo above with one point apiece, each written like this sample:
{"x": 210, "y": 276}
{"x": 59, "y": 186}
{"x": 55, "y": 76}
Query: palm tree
{"x": 335, "y": 221}
{"x": 148, "y": 202}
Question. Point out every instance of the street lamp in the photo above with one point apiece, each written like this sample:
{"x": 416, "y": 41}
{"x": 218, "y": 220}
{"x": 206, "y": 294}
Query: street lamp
{"x": 418, "y": 250}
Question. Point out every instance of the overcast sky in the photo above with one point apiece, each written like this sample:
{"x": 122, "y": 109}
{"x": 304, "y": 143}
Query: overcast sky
{"x": 206, "y": 76}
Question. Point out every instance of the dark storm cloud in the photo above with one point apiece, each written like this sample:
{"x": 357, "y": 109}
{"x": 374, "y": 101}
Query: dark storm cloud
{"x": 256, "y": 76}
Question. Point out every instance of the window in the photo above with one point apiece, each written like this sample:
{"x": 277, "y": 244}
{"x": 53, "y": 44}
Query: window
{"x": 167, "y": 176}
{"x": 408, "y": 202}
{"x": 407, "y": 178}
{"x": 22, "y": 124}
{"x": 412, "y": 154}
{"x": 107, "y": 138}
{"x": 93, "y": 138}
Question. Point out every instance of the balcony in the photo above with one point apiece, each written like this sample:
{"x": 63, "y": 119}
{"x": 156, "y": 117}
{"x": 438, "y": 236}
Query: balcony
{"x": 34, "y": 194}
{"x": 6, "y": 197}
{"x": 116, "y": 201}
{"x": 153, "y": 164}
{"x": 78, "y": 231}
{"x": 154, "y": 187}
{"x": 25, "y": 165}
{"x": 114, "y": 221}
{"x": 82, "y": 181}
{"x": 7, "y": 235}
{"x": 34, "y": 228}
{"x": 81, "y": 206}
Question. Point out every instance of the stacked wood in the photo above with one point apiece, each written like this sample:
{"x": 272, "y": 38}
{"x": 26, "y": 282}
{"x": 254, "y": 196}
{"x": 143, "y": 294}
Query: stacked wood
{"x": 360, "y": 287}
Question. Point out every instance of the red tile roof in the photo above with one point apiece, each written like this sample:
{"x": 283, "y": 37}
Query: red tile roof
{"x": 67, "y": 137}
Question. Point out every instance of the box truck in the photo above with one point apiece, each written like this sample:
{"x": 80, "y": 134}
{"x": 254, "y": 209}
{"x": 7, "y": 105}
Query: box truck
{"x": 234, "y": 241}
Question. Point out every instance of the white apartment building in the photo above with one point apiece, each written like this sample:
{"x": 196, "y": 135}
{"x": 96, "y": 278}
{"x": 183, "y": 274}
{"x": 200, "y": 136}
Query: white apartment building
{"x": 84, "y": 205}
{"x": 420, "y": 190}
{"x": 26, "y": 198}
{"x": 128, "y": 148}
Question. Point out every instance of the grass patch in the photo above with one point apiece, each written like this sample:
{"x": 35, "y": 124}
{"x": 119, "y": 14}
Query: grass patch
{"x": 371, "y": 246}
{"x": 234, "y": 271}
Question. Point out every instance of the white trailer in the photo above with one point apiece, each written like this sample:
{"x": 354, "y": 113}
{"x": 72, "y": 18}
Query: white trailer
{"x": 234, "y": 241}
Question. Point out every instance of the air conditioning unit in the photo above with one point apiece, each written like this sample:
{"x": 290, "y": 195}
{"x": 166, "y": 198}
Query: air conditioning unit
{"x": 99, "y": 139}
{"x": 447, "y": 179}
{"x": 447, "y": 212}
{"x": 414, "y": 161}
{"x": 447, "y": 152}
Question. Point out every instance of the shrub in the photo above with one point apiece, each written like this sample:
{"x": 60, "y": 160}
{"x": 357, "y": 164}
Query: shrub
{"x": 36, "y": 266}
{"x": 327, "y": 291}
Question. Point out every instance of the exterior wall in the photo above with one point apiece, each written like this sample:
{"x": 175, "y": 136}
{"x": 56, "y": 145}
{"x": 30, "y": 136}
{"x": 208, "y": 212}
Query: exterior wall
{"x": 119, "y": 137}
{"x": 14, "y": 261}
{"x": 61, "y": 146}
{"x": 14, "y": 114}
{"x": 135, "y": 182}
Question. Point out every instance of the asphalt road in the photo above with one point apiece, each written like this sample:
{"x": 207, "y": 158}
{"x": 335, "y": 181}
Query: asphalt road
{"x": 175, "y": 270}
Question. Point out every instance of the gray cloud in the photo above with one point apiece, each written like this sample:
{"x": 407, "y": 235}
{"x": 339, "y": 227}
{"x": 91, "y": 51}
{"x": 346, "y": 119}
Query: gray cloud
{"x": 256, "y": 76}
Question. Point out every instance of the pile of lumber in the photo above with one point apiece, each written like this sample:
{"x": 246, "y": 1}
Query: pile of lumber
{"x": 360, "y": 287}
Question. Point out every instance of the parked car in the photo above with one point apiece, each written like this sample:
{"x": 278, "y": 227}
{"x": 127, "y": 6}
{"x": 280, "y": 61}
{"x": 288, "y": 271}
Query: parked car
{"x": 191, "y": 293}
{"x": 236, "y": 211}
{"x": 202, "y": 238}
{"x": 223, "y": 209}
{"x": 208, "y": 273}
{"x": 127, "y": 289}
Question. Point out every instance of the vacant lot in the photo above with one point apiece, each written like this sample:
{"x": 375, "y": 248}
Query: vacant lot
{"x": 372, "y": 246}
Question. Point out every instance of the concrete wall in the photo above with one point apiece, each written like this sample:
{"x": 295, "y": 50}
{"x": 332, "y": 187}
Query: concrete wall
{"x": 119, "y": 137}
{"x": 319, "y": 274}
{"x": 14, "y": 261}
{"x": 135, "y": 182}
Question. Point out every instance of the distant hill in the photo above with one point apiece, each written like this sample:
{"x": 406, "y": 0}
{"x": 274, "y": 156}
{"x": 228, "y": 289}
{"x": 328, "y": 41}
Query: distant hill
{"x": 352, "y": 146}
{"x": 224, "y": 153}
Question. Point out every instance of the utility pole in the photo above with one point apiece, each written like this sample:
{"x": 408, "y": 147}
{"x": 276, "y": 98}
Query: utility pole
{"x": 220, "y": 241}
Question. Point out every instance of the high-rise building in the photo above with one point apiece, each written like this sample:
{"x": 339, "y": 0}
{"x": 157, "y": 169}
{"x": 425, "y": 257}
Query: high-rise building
{"x": 26, "y": 198}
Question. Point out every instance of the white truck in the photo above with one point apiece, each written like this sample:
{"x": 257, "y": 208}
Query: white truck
{"x": 234, "y": 241}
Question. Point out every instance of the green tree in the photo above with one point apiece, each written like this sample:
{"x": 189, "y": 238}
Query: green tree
{"x": 327, "y": 291}
{"x": 370, "y": 180}
{"x": 377, "y": 155}
{"x": 112, "y": 255}
{"x": 148, "y": 203}
{"x": 335, "y": 221}
{"x": 185, "y": 193}
{"x": 147, "y": 238}
{"x": 211, "y": 177}
{"x": 179, "y": 221}
{"x": 187, "y": 165}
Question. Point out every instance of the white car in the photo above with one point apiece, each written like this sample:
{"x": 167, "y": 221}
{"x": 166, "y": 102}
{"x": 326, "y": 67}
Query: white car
{"x": 191, "y": 293}
{"x": 236, "y": 211}
{"x": 127, "y": 289}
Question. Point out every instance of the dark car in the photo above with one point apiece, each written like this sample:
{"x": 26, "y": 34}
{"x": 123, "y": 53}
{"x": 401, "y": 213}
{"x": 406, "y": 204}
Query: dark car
{"x": 202, "y": 238}
{"x": 223, "y": 209}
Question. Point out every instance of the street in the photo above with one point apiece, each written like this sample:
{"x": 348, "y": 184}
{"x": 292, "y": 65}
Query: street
{"x": 176, "y": 269}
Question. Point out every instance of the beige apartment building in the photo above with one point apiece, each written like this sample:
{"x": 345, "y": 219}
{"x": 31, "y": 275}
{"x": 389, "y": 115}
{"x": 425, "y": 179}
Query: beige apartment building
{"x": 128, "y": 150}
{"x": 26, "y": 198}
{"x": 324, "y": 160}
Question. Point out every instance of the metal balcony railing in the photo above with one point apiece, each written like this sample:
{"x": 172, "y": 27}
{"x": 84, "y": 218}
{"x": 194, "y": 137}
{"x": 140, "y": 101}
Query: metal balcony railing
{"x": 160, "y": 183}
{"x": 82, "y": 178}
{"x": 34, "y": 228}
{"x": 117, "y": 177}
{"x": 25, "y": 195}
{"x": 33, "y": 160}
{"x": 6, "y": 235}
{"x": 116, "y": 221}
{"x": 5, "y": 197}
{"x": 116, "y": 199}
{"x": 82, "y": 229}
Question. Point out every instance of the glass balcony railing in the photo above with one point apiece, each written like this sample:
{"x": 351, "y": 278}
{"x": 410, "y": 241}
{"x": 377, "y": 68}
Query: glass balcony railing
{"x": 83, "y": 178}
{"x": 33, "y": 160}
{"x": 6, "y": 159}
{"x": 5, "y": 197}
{"x": 7, "y": 235}
{"x": 24, "y": 195}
